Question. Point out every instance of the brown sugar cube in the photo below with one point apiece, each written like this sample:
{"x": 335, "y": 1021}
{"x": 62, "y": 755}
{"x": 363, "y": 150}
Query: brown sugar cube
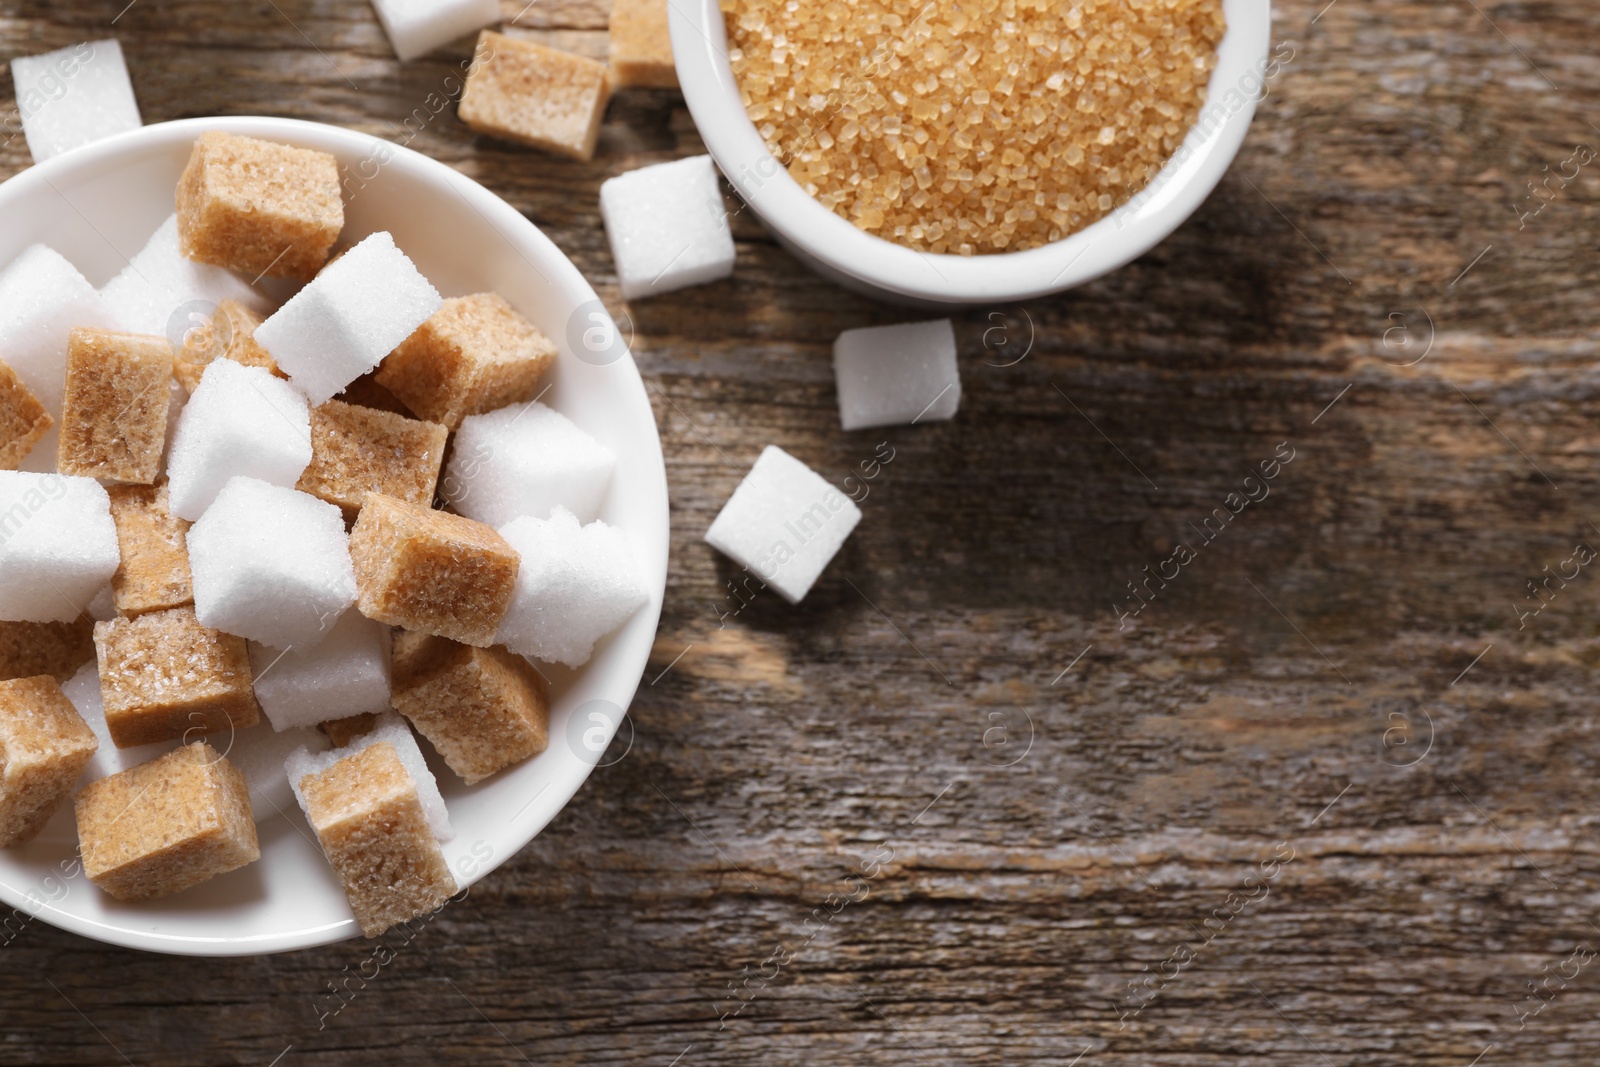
{"x": 483, "y": 709}
{"x": 231, "y": 334}
{"x": 641, "y": 47}
{"x": 474, "y": 355}
{"x": 44, "y": 746}
{"x": 164, "y": 676}
{"x": 357, "y": 450}
{"x": 370, "y": 823}
{"x": 166, "y": 825}
{"x": 54, "y": 648}
{"x": 540, "y": 96}
{"x": 430, "y": 571}
{"x": 343, "y": 731}
{"x": 154, "y": 572}
{"x": 23, "y": 420}
{"x": 259, "y": 207}
{"x": 114, "y": 414}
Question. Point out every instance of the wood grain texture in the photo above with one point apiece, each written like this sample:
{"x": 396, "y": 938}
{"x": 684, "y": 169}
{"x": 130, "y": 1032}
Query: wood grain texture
{"x": 1043, "y": 802}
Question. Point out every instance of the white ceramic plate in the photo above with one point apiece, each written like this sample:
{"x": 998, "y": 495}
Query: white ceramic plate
{"x": 97, "y": 205}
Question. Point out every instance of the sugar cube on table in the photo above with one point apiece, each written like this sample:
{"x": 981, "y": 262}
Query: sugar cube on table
{"x": 348, "y": 318}
{"x": 42, "y": 299}
{"x": 154, "y": 573}
{"x": 667, "y": 226}
{"x": 576, "y": 584}
{"x": 83, "y": 690}
{"x": 271, "y": 564}
{"x": 259, "y": 207}
{"x": 526, "y": 460}
{"x": 58, "y": 649}
{"x": 897, "y": 375}
{"x": 785, "y": 522}
{"x": 227, "y": 333}
{"x": 23, "y": 419}
{"x": 160, "y": 289}
{"x": 475, "y": 354}
{"x": 166, "y": 825}
{"x": 346, "y": 673}
{"x": 164, "y": 676}
{"x": 539, "y": 96}
{"x": 114, "y": 413}
{"x": 417, "y": 27}
{"x": 366, "y": 804}
{"x": 641, "y": 46}
{"x": 58, "y": 546}
{"x": 483, "y": 709}
{"x": 73, "y": 96}
{"x": 44, "y": 745}
{"x": 357, "y": 450}
{"x": 240, "y": 421}
{"x": 430, "y": 571}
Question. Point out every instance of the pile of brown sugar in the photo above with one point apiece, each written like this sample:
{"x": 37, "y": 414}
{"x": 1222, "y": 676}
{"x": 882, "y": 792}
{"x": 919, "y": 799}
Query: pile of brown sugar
{"x": 978, "y": 126}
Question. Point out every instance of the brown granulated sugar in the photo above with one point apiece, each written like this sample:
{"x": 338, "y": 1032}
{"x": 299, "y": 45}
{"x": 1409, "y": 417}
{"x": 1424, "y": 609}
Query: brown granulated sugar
{"x": 989, "y": 126}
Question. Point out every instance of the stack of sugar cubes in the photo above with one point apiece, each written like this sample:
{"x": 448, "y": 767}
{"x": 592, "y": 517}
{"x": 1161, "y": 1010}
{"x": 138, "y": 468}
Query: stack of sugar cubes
{"x": 243, "y": 495}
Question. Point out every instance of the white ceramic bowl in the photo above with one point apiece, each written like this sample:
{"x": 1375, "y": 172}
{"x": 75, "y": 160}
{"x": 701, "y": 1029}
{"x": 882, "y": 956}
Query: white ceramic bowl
{"x": 835, "y": 248}
{"x": 97, "y": 205}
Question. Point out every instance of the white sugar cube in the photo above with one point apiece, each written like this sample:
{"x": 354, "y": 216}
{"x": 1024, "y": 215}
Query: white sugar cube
{"x": 347, "y": 673}
{"x": 526, "y": 459}
{"x": 84, "y": 693}
{"x": 271, "y": 564}
{"x": 348, "y": 318}
{"x": 575, "y": 585}
{"x": 416, "y": 27}
{"x": 73, "y": 96}
{"x": 240, "y": 421}
{"x": 42, "y": 298}
{"x": 393, "y": 729}
{"x": 668, "y": 227}
{"x": 161, "y": 292}
{"x": 259, "y": 752}
{"x": 785, "y": 522}
{"x": 58, "y": 545}
{"x": 895, "y": 375}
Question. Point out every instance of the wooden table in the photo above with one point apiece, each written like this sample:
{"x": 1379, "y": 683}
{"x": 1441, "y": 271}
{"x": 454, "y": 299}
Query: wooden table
{"x": 1327, "y": 798}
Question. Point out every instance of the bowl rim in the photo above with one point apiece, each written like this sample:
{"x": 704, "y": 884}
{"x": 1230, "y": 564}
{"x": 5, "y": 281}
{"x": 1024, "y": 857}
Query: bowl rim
{"x": 621, "y": 684}
{"x": 699, "y": 45}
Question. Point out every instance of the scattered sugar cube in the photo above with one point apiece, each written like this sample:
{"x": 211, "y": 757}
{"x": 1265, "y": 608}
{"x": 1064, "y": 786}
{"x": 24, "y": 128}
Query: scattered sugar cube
{"x": 417, "y": 27}
{"x": 431, "y": 571}
{"x": 58, "y": 546}
{"x": 73, "y": 96}
{"x": 539, "y": 96}
{"x": 357, "y": 450}
{"x": 526, "y": 460}
{"x": 483, "y": 709}
{"x": 228, "y": 333}
{"x": 161, "y": 288}
{"x": 348, "y": 318}
{"x": 42, "y": 299}
{"x": 474, "y": 355}
{"x": 641, "y": 46}
{"x": 347, "y": 673}
{"x": 44, "y": 745}
{"x": 897, "y": 375}
{"x": 259, "y": 207}
{"x": 576, "y": 584}
{"x": 58, "y": 649}
{"x": 785, "y": 522}
{"x": 165, "y": 676}
{"x": 370, "y": 819}
{"x": 166, "y": 825}
{"x": 343, "y": 731}
{"x": 23, "y": 420}
{"x": 240, "y": 421}
{"x": 392, "y": 730}
{"x": 259, "y": 754}
{"x": 83, "y": 690}
{"x": 154, "y": 573}
{"x": 668, "y": 227}
{"x": 114, "y": 413}
{"x": 271, "y": 564}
